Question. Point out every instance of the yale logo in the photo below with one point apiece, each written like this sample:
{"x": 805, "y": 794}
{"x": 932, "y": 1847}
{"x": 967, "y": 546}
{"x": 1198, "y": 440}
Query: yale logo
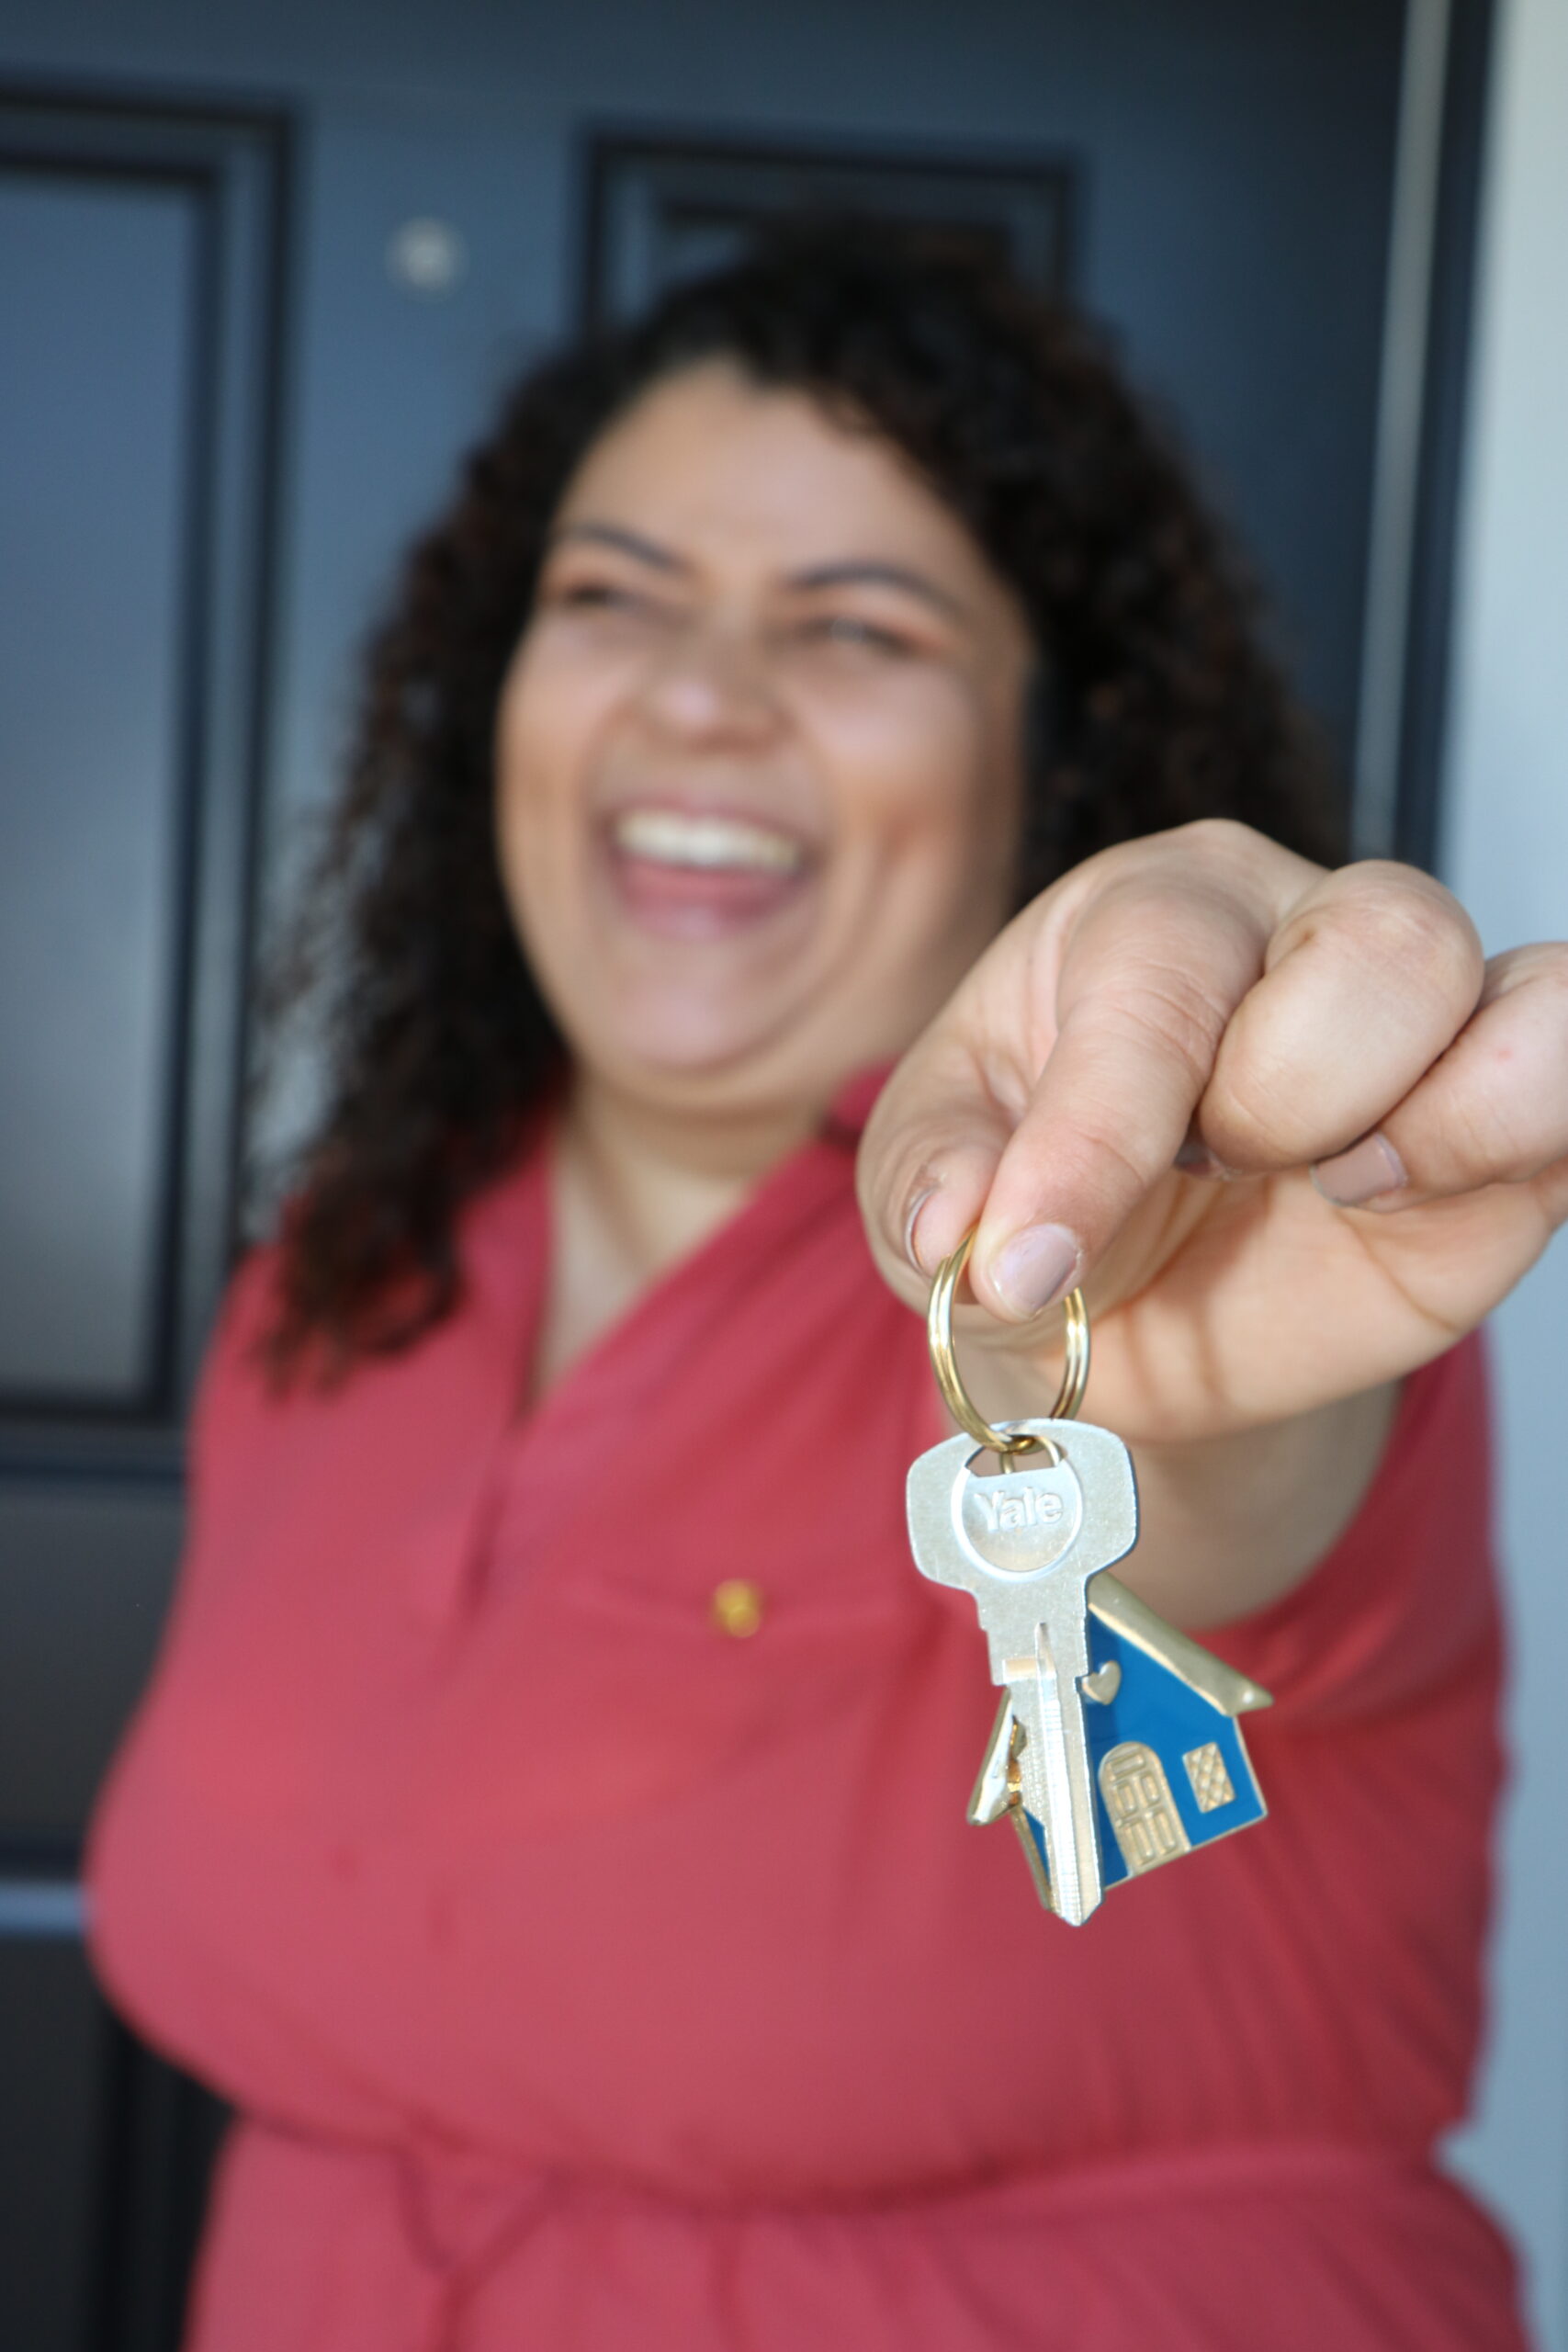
{"x": 1032, "y": 1509}
{"x": 1022, "y": 1521}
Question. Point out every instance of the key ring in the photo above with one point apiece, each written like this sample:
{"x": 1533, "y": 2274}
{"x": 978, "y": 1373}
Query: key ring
{"x": 939, "y": 1331}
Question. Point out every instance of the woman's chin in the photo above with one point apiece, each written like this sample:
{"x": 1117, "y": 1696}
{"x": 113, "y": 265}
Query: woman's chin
{"x": 691, "y": 1048}
{"x": 701, "y": 1046}
{"x": 713, "y": 995}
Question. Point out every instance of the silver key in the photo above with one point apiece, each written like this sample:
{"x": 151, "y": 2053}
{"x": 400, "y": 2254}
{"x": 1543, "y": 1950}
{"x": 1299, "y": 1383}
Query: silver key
{"x": 1026, "y": 1544}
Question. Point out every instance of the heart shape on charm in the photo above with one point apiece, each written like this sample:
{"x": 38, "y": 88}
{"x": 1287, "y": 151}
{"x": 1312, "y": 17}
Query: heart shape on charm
{"x": 1103, "y": 1683}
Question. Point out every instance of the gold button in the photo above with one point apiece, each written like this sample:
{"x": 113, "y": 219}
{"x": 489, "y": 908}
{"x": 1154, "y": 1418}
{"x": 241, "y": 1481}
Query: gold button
{"x": 736, "y": 1607}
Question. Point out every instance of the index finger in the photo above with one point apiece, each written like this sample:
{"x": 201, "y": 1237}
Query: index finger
{"x": 1155, "y": 968}
{"x": 1058, "y": 1084}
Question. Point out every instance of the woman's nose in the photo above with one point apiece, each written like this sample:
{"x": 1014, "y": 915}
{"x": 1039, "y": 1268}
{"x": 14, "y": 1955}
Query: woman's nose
{"x": 711, "y": 685}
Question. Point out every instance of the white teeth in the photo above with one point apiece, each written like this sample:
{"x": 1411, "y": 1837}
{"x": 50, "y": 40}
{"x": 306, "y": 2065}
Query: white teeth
{"x": 669, "y": 837}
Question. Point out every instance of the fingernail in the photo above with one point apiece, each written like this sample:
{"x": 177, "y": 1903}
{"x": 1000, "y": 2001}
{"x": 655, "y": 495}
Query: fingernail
{"x": 911, "y": 1222}
{"x": 1368, "y": 1170}
{"x": 1036, "y": 1266}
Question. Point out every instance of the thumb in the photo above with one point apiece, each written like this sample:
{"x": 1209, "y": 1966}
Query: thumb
{"x": 1055, "y": 1091}
{"x": 929, "y": 1157}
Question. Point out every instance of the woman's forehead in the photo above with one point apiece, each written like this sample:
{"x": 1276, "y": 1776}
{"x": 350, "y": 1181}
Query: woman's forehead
{"x": 725, "y": 472}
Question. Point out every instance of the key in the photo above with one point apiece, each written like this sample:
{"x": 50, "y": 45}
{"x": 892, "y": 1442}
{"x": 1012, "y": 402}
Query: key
{"x": 1025, "y": 1545}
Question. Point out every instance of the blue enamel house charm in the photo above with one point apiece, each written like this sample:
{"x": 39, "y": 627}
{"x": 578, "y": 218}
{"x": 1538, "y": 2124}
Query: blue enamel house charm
{"x": 1170, "y": 1766}
{"x": 1117, "y": 1746}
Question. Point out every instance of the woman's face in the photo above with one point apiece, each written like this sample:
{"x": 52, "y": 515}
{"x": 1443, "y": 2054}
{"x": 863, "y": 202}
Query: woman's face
{"x": 758, "y": 751}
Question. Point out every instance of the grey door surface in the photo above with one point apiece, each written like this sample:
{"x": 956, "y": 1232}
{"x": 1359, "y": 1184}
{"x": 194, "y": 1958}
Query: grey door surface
{"x": 262, "y": 273}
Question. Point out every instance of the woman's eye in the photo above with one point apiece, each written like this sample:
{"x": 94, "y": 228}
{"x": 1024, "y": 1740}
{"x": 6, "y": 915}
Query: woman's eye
{"x": 597, "y": 595}
{"x": 617, "y": 600}
{"x": 848, "y": 628}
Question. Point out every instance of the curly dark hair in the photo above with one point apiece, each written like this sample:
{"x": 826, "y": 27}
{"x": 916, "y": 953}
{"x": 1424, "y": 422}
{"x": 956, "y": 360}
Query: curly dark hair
{"x": 1155, "y": 701}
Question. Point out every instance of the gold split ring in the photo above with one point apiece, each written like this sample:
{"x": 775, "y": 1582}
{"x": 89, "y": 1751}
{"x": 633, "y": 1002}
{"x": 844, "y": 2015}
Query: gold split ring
{"x": 939, "y": 1331}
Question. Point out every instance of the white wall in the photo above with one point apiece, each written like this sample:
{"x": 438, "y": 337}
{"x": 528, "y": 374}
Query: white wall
{"x": 1507, "y": 857}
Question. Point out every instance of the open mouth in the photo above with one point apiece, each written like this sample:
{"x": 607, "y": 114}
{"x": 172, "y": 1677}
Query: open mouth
{"x": 700, "y": 873}
{"x": 707, "y": 844}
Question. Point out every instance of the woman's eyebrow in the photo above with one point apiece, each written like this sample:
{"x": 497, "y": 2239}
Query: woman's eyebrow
{"x": 853, "y": 571}
{"x": 868, "y": 572}
{"x": 632, "y": 543}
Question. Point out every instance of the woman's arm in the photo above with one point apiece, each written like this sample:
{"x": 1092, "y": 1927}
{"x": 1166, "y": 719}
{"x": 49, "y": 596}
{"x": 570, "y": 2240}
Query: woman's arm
{"x": 1372, "y": 1129}
{"x": 1231, "y": 1523}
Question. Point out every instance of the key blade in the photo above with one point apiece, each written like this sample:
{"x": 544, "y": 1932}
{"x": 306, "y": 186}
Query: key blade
{"x": 1072, "y": 1833}
{"x": 1047, "y": 1779}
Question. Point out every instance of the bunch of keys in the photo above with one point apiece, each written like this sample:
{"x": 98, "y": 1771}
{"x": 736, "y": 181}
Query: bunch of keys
{"x": 1116, "y": 1746}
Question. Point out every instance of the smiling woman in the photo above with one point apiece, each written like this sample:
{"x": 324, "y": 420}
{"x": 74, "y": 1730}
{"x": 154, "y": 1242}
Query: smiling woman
{"x": 546, "y": 1825}
{"x": 859, "y": 541}
{"x": 759, "y": 763}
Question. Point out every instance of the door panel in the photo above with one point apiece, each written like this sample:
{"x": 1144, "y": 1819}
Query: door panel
{"x": 85, "y": 1575}
{"x": 97, "y": 298}
{"x": 52, "y": 2055}
{"x": 137, "y": 317}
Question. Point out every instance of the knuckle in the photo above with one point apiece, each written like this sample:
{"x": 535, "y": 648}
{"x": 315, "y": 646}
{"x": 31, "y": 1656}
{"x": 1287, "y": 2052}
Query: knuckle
{"x": 1546, "y": 967}
{"x": 1410, "y": 931}
{"x": 1225, "y": 839}
{"x": 1535, "y": 979}
{"x": 1238, "y": 862}
{"x": 1543, "y": 981}
{"x": 1221, "y": 848}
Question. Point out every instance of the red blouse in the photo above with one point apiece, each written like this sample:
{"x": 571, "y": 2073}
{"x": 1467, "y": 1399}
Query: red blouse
{"x": 588, "y": 1977}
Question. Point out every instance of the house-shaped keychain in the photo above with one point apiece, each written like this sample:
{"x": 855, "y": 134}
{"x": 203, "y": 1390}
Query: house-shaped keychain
{"x": 1171, "y": 1770}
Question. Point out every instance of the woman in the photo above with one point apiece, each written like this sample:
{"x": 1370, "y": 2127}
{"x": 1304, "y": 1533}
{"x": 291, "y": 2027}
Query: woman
{"x": 546, "y": 1824}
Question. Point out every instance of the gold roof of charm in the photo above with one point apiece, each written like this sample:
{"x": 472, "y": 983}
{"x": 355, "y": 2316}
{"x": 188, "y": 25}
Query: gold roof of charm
{"x": 1224, "y": 1689}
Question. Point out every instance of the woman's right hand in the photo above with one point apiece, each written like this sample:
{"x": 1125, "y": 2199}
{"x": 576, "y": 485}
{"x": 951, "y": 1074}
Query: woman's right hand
{"x": 1289, "y": 1127}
